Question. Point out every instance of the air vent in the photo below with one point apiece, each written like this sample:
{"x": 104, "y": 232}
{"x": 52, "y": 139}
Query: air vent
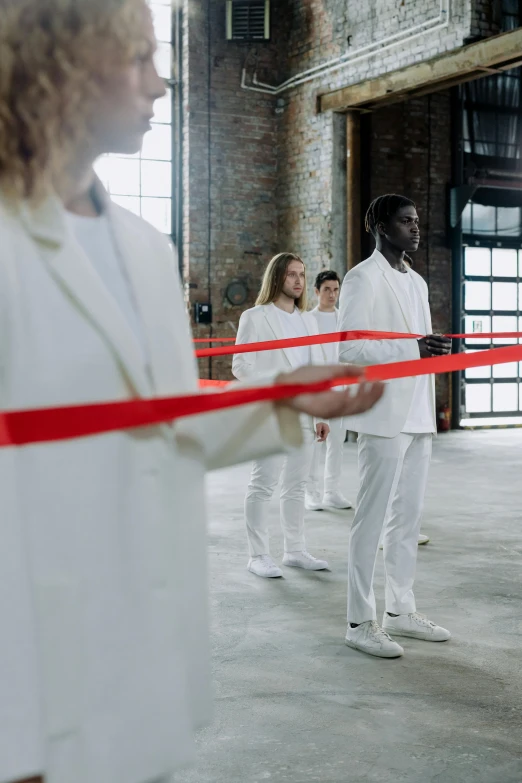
{"x": 248, "y": 20}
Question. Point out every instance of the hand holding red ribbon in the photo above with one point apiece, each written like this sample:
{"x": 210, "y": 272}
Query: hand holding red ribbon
{"x": 55, "y": 424}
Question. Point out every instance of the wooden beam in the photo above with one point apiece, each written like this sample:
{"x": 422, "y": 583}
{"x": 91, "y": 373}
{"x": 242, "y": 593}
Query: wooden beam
{"x": 499, "y": 52}
{"x": 353, "y": 188}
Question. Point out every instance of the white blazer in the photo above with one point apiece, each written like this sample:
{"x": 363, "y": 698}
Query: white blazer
{"x": 261, "y": 323}
{"x": 371, "y": 299}
{"x": 104, "y": 658}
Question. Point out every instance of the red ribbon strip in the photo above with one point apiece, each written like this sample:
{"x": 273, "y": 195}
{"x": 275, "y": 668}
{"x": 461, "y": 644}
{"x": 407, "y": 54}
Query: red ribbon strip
{"x": 205, "y": 384}
{"x": 338, "y": 337}
{"x": 76, "y": 421}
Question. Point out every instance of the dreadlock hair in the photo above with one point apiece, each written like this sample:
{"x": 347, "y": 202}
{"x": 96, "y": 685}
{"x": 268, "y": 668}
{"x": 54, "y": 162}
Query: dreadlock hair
{"x": 382, "y": 209}
{"x": 326, "y": 274}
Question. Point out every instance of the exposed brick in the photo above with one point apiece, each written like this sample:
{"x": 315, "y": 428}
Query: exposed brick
{"x": 258, "y": 168}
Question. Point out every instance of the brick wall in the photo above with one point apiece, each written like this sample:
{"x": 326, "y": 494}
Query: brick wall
{"x": 485, "y": 18}
{"x": 322, "y": 30}
{"x": 230, "y": 172}
{"x": 262, "y": 172}
{"x": 316, "y": 31}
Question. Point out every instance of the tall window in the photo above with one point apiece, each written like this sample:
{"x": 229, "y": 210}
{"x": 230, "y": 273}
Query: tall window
{"x": 511, "y": 14}
{"x": 143, "y": 182}
{"x": 492, "y": 303}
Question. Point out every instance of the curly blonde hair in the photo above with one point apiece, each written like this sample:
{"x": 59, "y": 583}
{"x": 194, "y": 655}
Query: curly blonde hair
{"x": 54, "y": 55}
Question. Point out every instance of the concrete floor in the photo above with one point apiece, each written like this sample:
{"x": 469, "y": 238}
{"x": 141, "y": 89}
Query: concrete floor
{"x": 294, "y": 704}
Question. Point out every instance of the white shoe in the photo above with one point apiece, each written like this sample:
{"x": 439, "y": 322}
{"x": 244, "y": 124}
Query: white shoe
{"x": 416, "y": 626}
{"x": 263, "y": 565}
{"x": 313, "y": 502}
{"x": 370, "y": 638}
{"x": 304, "y": 560}
{"x": 421, "y": 541}
{"x": 335, "y": 500}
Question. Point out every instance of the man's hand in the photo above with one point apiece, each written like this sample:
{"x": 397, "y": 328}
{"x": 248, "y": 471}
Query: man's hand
{"x": 434, "y": 345}
{"x": 331, "y": 404}
{"x": 322, "y": 430}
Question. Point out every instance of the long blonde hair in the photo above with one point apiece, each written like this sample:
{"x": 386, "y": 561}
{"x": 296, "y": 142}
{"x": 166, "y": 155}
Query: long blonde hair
{"x": 274, "y": 280}
{"x": 53, "y": 56}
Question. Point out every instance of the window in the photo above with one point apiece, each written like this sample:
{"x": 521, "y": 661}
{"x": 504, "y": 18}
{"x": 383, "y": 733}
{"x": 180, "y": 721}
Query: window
{"x": 478, "y": 219}
{"x": 492, "y": 303}
{"x": 491, "y": 119}
{"x": 510, "y": 15}
{"x": 143, "y": 182}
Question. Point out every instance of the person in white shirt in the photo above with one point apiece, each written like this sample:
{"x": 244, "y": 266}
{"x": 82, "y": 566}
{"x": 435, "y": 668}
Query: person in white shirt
{"x": 105, "y": 655}
{"x": 327, "y": 287}
{"x": 280, "y": 312}
{"x": 394, "y": 443}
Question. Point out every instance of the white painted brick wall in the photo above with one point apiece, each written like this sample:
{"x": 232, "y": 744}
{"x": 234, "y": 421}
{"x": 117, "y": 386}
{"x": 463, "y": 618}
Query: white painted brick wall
{"x": 305, "y": 201}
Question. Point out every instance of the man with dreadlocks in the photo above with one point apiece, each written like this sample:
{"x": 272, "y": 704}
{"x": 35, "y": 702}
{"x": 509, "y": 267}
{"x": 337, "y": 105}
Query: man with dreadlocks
{"x": 383, "y": 293}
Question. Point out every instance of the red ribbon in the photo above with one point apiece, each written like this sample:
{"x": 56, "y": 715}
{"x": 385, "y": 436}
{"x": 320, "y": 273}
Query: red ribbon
{"x": 75, "y": 421}
{"x": 336, "y": 337}
{"x": 204, "y": 383}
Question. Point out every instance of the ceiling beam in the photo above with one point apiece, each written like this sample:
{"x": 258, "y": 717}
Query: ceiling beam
{"x": 491, "y": 55}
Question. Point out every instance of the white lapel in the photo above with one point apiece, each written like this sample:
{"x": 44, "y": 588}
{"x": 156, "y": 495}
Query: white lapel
{"x": 69, "y": 265}
{"x": 399, "y": 294}
{"x": 272, "y": 319}
{"x": 162, "y": 341}
{"x": 317, "y": 352}
{"x": 425, "y": 303}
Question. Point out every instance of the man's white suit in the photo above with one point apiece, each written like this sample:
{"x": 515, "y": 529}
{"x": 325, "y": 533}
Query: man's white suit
{"x": 104, "y": 660}
{"x": 393, "y": 464}
{"x": 262, "y": 323}
{"x": 371, "y": 300}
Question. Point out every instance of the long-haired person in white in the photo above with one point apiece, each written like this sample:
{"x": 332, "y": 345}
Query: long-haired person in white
{"x": 384, "y": 294}
{"x": 280, "y": 312}
{"x": 327, "y": 288}
{"x": 104, "y": 654}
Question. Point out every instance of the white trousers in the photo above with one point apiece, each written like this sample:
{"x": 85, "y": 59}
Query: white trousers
{"x": 393, "y": 474}
{"x": 293, "y": 470}
{"x": 333, "y": 460}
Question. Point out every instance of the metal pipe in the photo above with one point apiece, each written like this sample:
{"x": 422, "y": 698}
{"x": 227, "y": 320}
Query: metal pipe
{"x": 430, "y": 25}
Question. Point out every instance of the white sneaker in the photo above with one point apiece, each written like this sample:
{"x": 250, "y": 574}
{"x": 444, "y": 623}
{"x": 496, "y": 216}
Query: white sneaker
{"x": 263, "y": 565}
{"x": 421, "y": 541}
{"x": 415, "y": 625}
{"x": 313, "y": 502}
{"x": 370, "y": 638}
{"x": 336, "y": 500}
{"x": 304, "y": 560}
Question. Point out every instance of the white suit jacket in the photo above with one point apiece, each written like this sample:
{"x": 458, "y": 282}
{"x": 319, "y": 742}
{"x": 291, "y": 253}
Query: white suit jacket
{"x": 371, "y": 299}
{"x": 104, "y": 657}
{"x": 261, "y": 323}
